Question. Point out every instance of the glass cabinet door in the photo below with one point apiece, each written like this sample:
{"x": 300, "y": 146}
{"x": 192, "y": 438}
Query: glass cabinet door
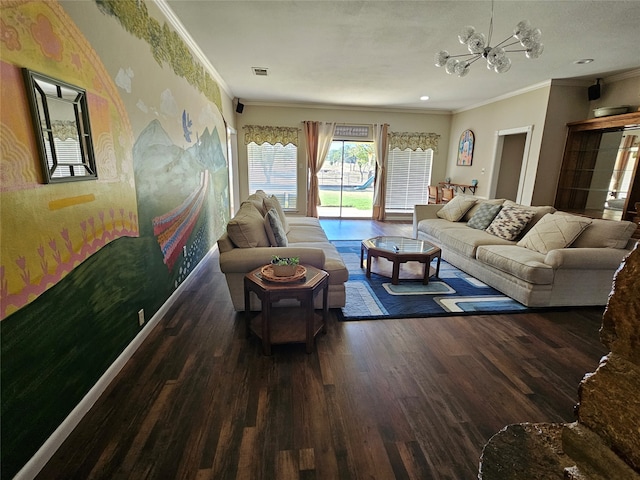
{"x": 599, "y": 170}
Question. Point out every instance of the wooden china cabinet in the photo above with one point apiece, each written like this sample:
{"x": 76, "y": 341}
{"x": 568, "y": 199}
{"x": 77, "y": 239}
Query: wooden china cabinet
{"x": 600, "y": 173}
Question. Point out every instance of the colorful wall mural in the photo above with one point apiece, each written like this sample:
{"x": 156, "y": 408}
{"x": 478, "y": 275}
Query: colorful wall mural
{"x": 78, "y": 260}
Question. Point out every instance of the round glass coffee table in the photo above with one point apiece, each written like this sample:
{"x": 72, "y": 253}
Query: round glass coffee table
{"x": 401, "y": 250}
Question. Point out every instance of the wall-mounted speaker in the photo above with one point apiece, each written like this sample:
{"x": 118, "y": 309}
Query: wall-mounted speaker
{"x": 594, "y": 91}
{"x": 239, "y": 107}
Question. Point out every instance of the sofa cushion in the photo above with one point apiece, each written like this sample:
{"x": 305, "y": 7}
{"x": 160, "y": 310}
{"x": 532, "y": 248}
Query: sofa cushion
{"x": 298, "y": 220}
{"x": 510, "y": 221}
{"x": 273, "y": 202}
{"x": 479, "y": 202}
{"x": 466, "y": 240}
{"x": 246, "y": 229}
{"x": 307, "y": 233}
{"x": 456, "y": 208}
{"x": 434, "y": 226}
{"x": 333, "y": 262}
{"x": 484, "y": 216}
{"x": 275, "y": 230}
{"x": 604, "y": 233}
{"x": 553, "y": 232}
{"x": 522, "y": 263}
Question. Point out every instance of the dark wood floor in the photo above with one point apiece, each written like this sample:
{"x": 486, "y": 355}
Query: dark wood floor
{"x": 394, "y": 399}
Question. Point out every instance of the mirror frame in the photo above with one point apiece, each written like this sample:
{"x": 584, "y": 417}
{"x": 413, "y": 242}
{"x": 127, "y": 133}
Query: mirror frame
{"x": 45, "y": 93}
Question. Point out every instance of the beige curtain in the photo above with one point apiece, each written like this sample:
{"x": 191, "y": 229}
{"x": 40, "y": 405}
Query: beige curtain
{"x": 381, "y": 147}
{"x": 319, "y": 136}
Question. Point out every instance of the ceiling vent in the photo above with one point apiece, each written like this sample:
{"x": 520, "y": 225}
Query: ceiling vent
{"x": 354, "y": 133}
{"x": 260, "y": 72}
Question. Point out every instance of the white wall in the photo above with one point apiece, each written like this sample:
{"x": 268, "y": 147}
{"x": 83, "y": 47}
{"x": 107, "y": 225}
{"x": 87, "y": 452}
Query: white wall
{"x": 293, "y": 116}
{"x": 519, "y": 111}
{"x": 619, "y": 90}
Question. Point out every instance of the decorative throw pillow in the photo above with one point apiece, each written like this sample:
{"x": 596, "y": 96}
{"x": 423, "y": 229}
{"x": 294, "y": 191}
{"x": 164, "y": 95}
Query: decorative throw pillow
{"x": 509, "y": 222}
{"x": 540, "y": 211}
{"x": 554, "y": 231}
{"x": 479, "y": 202}
{"x": 604, "y": 233}
{"x": 456, "y": 208}
{"x": 484, "y": 216}
{"x": 275, "y": 230}
{"x": 273, "y": 202}
{"x": 257, "y": 200}
{"x": 246, "y": 229}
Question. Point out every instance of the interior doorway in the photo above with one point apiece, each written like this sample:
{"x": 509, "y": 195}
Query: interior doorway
{"x": 510, "y": 164}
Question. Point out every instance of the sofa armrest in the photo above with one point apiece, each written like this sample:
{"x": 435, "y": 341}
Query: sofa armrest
{"x": 243, "y": 260}
{"x": 423, "y": 212}
{"x": 586, "y": 258}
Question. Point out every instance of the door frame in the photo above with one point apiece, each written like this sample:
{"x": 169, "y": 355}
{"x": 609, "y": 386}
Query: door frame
{"x": 497, "y": 160}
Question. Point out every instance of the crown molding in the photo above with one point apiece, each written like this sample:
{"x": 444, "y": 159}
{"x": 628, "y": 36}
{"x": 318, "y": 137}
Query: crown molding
{"x": 515, "y": 93}
{"x": 325, "y": 106}
{"x": 623, "y": 76}
{"x": 175, "y": 22}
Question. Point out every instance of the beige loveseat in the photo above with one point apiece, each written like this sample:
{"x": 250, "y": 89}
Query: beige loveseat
{"x": 251, "y": 240}
{"x": 553, "y": 259}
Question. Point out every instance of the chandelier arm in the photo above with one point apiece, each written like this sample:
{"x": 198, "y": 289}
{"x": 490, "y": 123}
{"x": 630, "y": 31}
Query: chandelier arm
{"x": 519, "y": 50}
{"x": 506, "y": 40}
{"x": 471, "y": 55}
{"x": 475, "y": 59}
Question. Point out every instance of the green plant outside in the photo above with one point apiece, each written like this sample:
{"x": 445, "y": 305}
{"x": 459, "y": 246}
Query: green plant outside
{"x": 357, "y": 200}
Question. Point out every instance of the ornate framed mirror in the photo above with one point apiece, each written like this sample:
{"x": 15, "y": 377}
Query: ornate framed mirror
{"x": 61, "y": 124}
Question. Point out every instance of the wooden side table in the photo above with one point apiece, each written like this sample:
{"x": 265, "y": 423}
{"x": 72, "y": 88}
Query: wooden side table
{"x": 286, "y": 326}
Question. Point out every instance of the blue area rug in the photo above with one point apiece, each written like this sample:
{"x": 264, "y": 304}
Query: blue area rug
{"x": 454, "y": 292}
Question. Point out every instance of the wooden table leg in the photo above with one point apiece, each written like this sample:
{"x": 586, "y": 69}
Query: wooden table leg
{"x": 369, "y": 264}
{"x": 325, "y": 307}
{"x": 266, "y": 327}
{"x": 247, "y": 310}
{"x": 395, "y": 275}
{"x": 427, "y": 271}
{"x": 310, "y": 314}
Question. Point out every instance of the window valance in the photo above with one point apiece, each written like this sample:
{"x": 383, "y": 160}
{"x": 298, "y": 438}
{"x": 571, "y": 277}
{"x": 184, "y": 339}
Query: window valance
{"x": 268, "y": 134}
{"x": 413, "y": 140}
{"x": 63, "y": 129}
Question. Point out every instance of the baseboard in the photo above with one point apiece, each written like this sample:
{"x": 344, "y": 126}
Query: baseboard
{"x": 51, "y": 445}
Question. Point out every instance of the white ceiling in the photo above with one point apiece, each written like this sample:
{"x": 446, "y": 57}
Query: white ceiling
{"x": 380, "y": 53}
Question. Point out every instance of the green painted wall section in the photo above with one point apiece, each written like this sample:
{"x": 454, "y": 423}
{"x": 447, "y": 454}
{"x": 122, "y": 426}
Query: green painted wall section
{"x": 161, "y": 143}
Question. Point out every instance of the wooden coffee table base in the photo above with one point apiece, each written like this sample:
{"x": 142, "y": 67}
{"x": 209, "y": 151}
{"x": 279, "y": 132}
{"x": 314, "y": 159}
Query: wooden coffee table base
{"x": 397, "y": 258}
{"x": 290, "y": 324}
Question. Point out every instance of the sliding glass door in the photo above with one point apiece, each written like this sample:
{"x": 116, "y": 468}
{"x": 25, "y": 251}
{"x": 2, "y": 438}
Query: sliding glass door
{"x": 346, "y": 180}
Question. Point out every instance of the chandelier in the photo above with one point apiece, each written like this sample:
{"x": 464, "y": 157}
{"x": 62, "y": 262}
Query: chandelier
{"x": 478, "y": 45}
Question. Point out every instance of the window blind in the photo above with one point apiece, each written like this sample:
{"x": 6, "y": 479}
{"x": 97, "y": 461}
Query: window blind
{"x": 273, "y": 168}
{"x": 408, "y": 178}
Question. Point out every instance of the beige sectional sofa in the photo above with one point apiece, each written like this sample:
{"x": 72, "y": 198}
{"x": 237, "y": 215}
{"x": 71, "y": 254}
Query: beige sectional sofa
{"x": 259, "y": 230}
{"x": 550, "y": 259}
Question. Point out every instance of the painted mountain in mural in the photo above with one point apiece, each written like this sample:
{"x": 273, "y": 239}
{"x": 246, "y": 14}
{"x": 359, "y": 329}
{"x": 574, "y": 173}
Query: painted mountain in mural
{"x": 167, "y": 175}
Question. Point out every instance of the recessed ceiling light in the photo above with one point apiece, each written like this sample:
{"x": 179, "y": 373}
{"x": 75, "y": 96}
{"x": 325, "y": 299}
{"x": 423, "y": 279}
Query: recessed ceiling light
{"x": 583, "y": 61}
{"x": 424, "y": 98}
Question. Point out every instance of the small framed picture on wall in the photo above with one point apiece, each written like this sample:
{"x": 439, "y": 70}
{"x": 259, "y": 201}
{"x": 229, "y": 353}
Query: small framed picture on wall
{"x": 465, "y": 148}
